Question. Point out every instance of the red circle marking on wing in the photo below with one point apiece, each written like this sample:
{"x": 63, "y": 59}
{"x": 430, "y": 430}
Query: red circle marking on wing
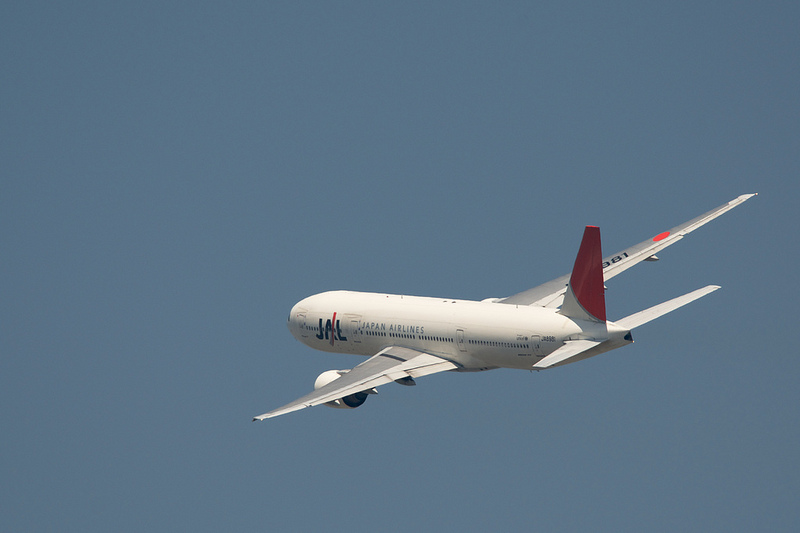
{"x": 661, "y": 236}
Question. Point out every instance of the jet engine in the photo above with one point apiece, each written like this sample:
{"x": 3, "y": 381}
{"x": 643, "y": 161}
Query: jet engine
{"x": 348, "y": 402}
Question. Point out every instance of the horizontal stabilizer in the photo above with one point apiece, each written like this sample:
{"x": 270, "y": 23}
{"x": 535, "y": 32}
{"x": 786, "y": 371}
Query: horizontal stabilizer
{"x": 570, "y": 349}
{"x": 643, "y": 317}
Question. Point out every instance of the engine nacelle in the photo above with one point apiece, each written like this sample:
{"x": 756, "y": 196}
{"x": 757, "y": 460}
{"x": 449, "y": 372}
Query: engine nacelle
{"x": 348, "y": 402}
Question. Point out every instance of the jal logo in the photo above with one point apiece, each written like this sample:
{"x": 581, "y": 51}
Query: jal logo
{"x": 331, "y": 331}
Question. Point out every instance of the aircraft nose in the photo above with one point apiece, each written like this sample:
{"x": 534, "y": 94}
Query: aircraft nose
{"x": 297, "y": 319}
{"x": 290, "y": 323}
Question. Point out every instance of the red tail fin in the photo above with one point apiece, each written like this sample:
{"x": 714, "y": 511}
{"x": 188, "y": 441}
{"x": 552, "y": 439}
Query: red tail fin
{"x": 586, "y": 292}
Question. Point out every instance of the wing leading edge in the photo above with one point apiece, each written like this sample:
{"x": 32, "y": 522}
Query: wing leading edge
{"x": 551, "y": 294}
{"x": 391, "y": 364}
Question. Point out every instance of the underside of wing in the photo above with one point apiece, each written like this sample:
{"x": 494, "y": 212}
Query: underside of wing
{"x": 391, "y": 364}
{"x": 551, "y": 294}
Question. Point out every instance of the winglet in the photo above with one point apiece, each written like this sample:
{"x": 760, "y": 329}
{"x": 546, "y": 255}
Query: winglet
{"x": 585, "y": 297}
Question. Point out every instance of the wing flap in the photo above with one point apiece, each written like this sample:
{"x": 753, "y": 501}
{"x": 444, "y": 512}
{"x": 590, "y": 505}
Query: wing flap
{"x": 388, "y": 365}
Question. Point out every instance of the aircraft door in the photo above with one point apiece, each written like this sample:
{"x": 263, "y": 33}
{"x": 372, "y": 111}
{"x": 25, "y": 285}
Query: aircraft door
{"x": 460, "y": 340}
{"x": 301, "y": 320}
{"x": 353, "y": 328}
{"x": 536, "y": 345}
{"x": 355, "y": 331}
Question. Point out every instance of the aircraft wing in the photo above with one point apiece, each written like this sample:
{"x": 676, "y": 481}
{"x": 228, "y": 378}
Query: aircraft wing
{"x": 551, "y": 294}
{"x": 391, "y": 364}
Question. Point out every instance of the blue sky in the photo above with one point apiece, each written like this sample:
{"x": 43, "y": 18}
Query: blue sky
{"x": 176, "y": 176}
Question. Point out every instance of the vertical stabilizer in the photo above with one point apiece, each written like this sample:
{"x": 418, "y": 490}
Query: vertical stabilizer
{"x": 585, "y": 297}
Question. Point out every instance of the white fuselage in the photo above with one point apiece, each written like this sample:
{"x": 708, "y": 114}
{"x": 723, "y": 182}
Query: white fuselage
{"x": 475, "y": 335}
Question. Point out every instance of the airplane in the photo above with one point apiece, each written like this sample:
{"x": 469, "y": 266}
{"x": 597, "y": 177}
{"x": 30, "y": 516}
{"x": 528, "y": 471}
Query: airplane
{"x": 560, "y": 322}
